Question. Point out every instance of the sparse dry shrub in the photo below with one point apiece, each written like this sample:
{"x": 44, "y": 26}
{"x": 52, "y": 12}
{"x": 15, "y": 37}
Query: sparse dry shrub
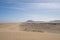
{"x": 37, "y": 31}
{"x": 40, "y": 27}
{"x": 25, "y": 29}
{"x": 53, "y": 23}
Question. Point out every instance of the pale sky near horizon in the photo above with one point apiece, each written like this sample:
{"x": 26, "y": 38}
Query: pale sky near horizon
{"x": 22, "y": 10}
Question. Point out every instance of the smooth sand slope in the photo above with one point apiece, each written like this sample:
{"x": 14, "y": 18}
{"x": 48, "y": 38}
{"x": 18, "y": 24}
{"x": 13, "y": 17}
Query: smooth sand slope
{"x": 28, "y": 36}
{"x": 9, "y": 26}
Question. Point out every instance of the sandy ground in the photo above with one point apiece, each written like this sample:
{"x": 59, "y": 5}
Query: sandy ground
{"x": 12, "y": 32}
{"x": 9, "y": 27}
{"x": 28, "y": 36}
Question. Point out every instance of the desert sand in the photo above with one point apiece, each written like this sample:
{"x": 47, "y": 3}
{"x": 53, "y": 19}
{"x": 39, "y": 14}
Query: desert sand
{"x": 12, "y": 31}
{"x": 28, "y": 36}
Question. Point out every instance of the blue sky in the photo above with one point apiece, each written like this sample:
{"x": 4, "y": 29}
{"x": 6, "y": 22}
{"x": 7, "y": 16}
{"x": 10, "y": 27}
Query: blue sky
{"x": 22, "y": 10}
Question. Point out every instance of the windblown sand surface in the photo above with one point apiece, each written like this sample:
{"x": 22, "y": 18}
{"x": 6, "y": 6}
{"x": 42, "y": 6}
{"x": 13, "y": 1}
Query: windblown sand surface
{"x": 13, "y": 31}
{"x": 28, "y": 36}
{"x": 9, "y": 26}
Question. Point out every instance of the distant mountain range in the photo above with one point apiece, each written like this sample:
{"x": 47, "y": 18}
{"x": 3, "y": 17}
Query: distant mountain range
{"x": 54, "y": 21}
{"x": 31, "y": 21}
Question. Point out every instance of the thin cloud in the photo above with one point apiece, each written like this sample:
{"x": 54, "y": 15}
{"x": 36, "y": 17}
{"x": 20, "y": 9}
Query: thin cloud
{"x": 43, "y": 17}
{"x": 16, "y": 8}
{"x": 31, "y": 1}
{"x": 34, "y": 8}
{"x": 37, "y": 6}
{"x": 43, "y": 6}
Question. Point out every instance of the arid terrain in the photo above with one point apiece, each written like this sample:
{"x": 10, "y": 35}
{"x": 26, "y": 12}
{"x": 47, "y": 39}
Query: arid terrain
{"x": 28, "y": 36}
{"x": 29, "y": 31}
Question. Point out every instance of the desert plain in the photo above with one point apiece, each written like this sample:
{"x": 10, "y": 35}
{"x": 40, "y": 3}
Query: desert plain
{"x": 29, "y": 31}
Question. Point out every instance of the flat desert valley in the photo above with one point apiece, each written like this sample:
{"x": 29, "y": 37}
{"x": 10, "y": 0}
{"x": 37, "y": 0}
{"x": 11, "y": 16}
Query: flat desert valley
{"x": 29, "y": 31}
